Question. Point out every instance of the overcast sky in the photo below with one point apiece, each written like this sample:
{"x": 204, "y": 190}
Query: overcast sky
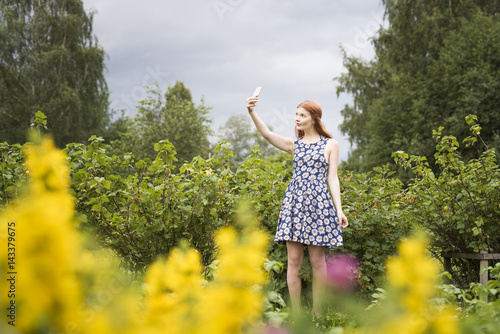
{"x": 223, "y": 49}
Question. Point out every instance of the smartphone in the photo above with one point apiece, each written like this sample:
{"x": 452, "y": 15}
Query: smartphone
{"x": 257, "y": 91}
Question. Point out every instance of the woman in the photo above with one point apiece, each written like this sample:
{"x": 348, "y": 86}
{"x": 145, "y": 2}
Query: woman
{"x": 307, "y": 215}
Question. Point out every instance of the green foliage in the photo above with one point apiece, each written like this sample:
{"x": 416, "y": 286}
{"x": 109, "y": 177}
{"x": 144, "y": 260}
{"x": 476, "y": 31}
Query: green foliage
{"x": 372, "y": 203}
{"x": 264, "y": 185}
{"x": 40, "y": 121}
{"x": 460, "y": 205}
{"x": 238, "y": 132}
{"x": 50, "y": 61}
{"x": 141, "y": 208}
{"x": 485, "y": 320}
{"x": 12, "y": 171}
{"x": 435, "y": 63}
{"x": 171, "y": 116}
{"x": 470, "y": 76}
{"x": 479, "y": 305}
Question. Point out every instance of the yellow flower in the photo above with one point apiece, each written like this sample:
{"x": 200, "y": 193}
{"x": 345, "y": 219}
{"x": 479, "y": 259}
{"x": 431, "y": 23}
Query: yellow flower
{"x": 413, "y": 273}
{"x": 47, "y": 168}
{"x": 407, "y": 307}
{"x": 176, "y": 302}
{"x": 446, "y": 322}
{"x": 173, "y": 292}
{"x": 396, "y": 272}
{"x": 47, "y": 245}
{"x": 64, "y": 288}
{"x": 240, "y": 263}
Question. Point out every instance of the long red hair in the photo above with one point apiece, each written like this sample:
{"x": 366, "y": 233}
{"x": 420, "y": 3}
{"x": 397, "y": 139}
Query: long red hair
{"x": 315, "y": 111}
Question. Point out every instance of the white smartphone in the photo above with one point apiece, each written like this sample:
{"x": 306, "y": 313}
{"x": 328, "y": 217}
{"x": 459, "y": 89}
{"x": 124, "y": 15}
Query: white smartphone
{"x": 257, "y": 91}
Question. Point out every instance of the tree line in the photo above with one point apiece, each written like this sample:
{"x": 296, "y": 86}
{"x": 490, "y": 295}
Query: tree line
{"x": 435, "y": 63}
{"x": 51, "y": 62}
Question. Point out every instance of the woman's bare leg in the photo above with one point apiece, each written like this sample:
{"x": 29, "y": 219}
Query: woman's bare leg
{"x": 295, "y": 258}
{"x": 318, "y": 264}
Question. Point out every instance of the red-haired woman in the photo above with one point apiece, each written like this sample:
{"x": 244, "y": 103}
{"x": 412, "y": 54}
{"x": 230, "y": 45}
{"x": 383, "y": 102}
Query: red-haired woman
{"x": 307, "y": 215}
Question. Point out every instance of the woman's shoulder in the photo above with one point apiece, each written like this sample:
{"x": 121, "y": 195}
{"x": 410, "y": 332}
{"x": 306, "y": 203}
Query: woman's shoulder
{"x": 330, "y": 142}
{"x": 331, "y": 145}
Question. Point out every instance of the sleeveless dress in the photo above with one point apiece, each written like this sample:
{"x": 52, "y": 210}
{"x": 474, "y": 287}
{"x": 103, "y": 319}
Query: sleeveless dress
{"x": 307, "y": 213}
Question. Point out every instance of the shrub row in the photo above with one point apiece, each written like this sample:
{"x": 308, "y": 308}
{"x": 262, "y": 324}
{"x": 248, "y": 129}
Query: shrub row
{"x": 143, "y": 208}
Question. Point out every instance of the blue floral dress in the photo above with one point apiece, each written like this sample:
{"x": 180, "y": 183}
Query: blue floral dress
{"x": 307, "y": 213}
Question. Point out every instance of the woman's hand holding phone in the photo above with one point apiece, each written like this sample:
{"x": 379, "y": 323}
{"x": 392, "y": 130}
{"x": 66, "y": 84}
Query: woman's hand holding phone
{"x": 251, "y": 101}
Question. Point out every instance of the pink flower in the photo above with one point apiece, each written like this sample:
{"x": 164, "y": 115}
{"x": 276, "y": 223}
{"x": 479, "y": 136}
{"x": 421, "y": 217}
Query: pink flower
{"x": 341, "y": 272}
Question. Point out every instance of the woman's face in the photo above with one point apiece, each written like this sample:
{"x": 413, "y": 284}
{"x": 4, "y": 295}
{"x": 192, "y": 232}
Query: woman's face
{"x": 303, "y": 119}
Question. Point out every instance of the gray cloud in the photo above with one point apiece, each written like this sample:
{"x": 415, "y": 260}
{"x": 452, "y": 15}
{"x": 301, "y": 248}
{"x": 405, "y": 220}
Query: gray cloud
{"x": 222, "y": 49}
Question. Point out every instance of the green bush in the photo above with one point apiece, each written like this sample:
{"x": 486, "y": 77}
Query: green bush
{"x": 143, "y": 208}
{"x": 460, "y": 205}
{"x": 12, "y": 171}
{"x": 371, "y": 202}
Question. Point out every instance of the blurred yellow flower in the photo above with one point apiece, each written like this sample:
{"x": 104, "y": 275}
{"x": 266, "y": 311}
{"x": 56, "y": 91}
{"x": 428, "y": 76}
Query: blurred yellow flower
{"x": 177, "y": 302}
{"x": 65, "y": 288}
{"x": 47, "y": 168}
{"x": 173, "y": 288}
{"x": 232, "y": 250}
{"x": 446, "y": 322}
{"x": 412, "y": 276}
{"x": 46, "y": 244}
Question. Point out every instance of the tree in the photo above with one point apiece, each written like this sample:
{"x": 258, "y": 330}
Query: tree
{"x": 172, "y": 116}
{"x": 50, "y": 61}
{"x": 238, "y": 132}
{"x": 465, "y": 79}
{"x": 436, "y": 63}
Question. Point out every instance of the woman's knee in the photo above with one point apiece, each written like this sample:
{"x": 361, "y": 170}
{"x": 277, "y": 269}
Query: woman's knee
{"x": 318, "y": 263}
{"x": 295, "y": 261}
{"x": 317, "y": 258}
{"x": 295, "y": 256}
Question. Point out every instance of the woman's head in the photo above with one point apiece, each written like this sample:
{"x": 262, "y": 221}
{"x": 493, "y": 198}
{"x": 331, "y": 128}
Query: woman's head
{"x": 314, "y": 110}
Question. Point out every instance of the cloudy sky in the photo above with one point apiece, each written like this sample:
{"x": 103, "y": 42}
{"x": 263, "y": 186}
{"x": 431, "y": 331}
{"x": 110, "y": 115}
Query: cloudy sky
{"x": 223, "y": 49}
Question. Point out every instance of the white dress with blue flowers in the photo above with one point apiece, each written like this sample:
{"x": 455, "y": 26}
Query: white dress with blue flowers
{"x": 307, "y": 213}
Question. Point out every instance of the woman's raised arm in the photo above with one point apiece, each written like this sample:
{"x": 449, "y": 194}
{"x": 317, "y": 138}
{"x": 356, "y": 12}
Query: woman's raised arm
{"x": 283, "y": 143}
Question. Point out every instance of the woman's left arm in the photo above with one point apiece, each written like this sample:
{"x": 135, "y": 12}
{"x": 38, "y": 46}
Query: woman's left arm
{"x": 332, "y": 152}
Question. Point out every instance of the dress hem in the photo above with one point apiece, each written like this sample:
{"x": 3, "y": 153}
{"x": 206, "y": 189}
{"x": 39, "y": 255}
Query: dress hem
{"x": 308, "y": 243}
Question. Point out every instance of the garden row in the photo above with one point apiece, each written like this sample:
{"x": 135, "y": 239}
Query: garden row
{"x": 142, "y": 208}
